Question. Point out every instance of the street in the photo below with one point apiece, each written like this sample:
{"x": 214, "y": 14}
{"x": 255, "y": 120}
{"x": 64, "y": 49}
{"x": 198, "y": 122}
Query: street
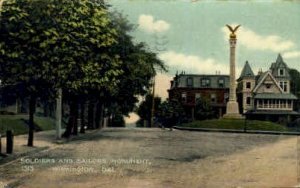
{"x": 132, "y": 157}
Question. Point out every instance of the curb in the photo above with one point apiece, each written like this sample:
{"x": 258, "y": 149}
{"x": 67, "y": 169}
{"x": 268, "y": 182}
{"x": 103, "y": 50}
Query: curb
{"x": 237, "y": 131}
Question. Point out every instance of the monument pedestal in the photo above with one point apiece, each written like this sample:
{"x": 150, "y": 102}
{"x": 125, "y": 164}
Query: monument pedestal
{"x": 232, "y": 111}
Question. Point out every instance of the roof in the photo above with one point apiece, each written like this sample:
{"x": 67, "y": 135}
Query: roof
{"x": 181, "y": 81}
{"x": 279, "y": 64}
{"x": 275, "y": 96}
{"x": 201, "y": 75}
{"x": 273, "y": 112}
{"x": 261, "y": 79}
{"x": 247, "y": 71}
{"x": 279, "y": 59}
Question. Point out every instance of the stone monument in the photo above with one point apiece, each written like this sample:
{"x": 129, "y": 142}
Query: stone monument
{"x": 232, "y": 107}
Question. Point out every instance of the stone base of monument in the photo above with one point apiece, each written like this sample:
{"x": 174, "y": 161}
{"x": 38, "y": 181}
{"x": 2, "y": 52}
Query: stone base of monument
{"x": 232, "y": 111}
{"x": 233, "y": 116}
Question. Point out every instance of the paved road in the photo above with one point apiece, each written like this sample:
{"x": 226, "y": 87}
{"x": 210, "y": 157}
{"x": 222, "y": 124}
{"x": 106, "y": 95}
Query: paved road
{"x": 158, "y": 158}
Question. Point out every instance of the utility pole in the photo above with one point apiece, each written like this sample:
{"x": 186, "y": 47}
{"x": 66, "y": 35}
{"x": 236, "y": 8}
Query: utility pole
{"x": 58, "y": 113}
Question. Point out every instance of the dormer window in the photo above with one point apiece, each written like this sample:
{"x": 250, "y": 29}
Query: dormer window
{"x": 189, "y": 82}
{"x": 221, "y": 83}
{"x": 281, "y": 72}
{"x": 205, "y": 82}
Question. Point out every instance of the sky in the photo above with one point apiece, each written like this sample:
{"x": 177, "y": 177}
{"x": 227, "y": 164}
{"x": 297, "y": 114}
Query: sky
{"x": 191, "y": 36}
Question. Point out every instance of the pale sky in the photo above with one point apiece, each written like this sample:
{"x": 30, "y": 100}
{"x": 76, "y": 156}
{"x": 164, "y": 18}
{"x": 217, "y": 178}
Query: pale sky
{"x": 191, "y": 36}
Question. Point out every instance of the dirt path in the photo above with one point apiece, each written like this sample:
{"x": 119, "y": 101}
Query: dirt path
{"x": 160, "y": 158}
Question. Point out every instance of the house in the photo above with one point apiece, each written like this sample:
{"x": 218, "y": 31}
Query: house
{"x": 188, "y": 88}
{"x": 266, "y": 95}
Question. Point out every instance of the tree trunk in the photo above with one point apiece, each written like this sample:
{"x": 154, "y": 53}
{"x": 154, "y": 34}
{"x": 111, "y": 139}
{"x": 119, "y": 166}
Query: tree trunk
{"x": 32, "y": 103}
{"x": 18, "y": 101}
{"x": 52, "y": 109}
{"x": 95, "y": 115}
{"x": 75, "y": 123}
{"x": 72, "y": 122}
{"x": 98, "y": 116}
{"x": 102, "y": 115}
{"x": 46, "y": 109}
{"x": 91, "y": 115}
{"x": 82, "y": 117}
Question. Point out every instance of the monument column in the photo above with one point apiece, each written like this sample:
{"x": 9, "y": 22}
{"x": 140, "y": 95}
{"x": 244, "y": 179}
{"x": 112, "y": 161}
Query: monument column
{"x": 232, "y": 107}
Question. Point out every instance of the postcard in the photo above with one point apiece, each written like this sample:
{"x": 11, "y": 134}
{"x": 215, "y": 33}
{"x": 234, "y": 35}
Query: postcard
{"x": 140, "y": 93}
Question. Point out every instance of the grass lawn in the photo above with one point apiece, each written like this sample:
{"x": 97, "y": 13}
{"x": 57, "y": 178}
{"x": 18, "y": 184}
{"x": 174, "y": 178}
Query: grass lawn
{"x": 19, "y": 123}
{"x": 236, "y": 124}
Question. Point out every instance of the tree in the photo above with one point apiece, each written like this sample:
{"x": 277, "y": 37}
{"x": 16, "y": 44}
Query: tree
{"x": 203, "y": 109}
{"x": 144, "y": 109}
{"x": 46, "y": 45}
{"x": 170, "y": 113}
{"x": 138, "y": 64}
{"x": 295, "y": 85}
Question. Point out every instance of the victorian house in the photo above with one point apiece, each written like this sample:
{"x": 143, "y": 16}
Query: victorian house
{"x": 266, "y": 95}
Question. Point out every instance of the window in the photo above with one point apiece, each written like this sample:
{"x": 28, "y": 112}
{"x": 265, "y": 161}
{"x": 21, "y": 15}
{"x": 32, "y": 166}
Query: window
{"x": 205, "y": 82}
{"x": 281, "y": 72}
{"x": 197, "y": 96}
{"x": 248, "y": 100}
{"x": 221, "y": 82}
{"x": 213, "y": 98}
{"x": 283, "y": 86}
{"x": 183, "y": 97}
{"x": 248, "y": 85}
{"x": 268, "y": 86}
{"x": 189, "y": 82}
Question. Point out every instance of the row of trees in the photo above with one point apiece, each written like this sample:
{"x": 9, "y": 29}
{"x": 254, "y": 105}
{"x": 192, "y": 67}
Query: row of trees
{"x": 79, "y": 46}
{"x": 171, "y": 112}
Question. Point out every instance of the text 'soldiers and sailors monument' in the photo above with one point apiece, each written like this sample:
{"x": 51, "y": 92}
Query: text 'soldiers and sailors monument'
{"x": 232, "y": 107}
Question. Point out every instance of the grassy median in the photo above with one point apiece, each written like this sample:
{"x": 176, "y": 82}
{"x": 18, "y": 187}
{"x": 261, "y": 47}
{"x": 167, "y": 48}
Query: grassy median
{"x": 236, "y": 124}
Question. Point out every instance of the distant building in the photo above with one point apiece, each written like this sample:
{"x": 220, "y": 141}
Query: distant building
{"x": 263, "y": 96}
{"x": 189, "y": 87}
{"x": 266, "y": 95}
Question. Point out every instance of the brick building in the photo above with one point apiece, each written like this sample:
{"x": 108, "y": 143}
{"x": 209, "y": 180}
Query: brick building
{"x": 189, "y": 87}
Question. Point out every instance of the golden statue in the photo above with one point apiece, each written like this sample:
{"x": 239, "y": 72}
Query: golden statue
{"x": 232, "y": 34}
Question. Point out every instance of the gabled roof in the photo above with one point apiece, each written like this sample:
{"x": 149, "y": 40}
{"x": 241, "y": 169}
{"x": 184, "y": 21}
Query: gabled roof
{"x": 279, "y": 64}
{"x": 279, "y": 59}
{"x": 263, "y": 77}
{"x": 260, "y": 77}
{"x": 246, "y": 72}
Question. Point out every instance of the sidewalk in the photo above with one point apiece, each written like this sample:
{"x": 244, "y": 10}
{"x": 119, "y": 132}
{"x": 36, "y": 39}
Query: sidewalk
{"x": 42, "y": 141}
